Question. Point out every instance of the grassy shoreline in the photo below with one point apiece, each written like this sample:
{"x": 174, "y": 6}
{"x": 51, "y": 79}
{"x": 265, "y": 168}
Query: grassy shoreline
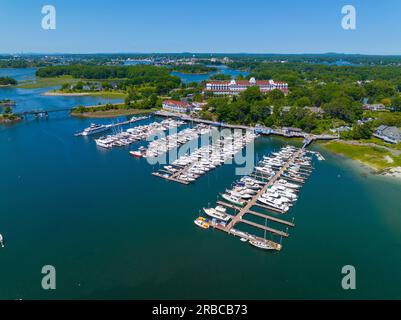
{"x": 102, "y": 94}
{"x": 378, "y": 158}
{"x": 47, "y": 82}
{"x": 112, "y": 113}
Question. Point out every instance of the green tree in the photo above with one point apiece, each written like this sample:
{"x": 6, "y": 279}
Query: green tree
{"x": 396, "y": 103}
{"x": 303, "y": 102}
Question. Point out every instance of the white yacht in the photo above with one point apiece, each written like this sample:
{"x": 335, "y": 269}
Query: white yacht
{"x": 233, "y": 200}
{"x": 287, "y": 184}
{"x": 219, "y": 213}
{"x": 95, "y": 128}
{"x": 273, "y": 204}
{"x": 1, "y": 241}
{"x": 106, "y": 143}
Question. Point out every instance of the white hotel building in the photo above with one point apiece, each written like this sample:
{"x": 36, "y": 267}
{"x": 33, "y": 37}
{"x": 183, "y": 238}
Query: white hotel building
{"x": 235, "y": 87}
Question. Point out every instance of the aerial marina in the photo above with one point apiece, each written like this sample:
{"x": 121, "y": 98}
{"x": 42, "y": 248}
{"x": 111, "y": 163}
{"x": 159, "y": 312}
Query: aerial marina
{"x": 271, "y": 186}
{"x": 206, "y": 169}
{"x": 136, "y": 134}
{"x": 173, "y": 141}
{"x": 98, "y": 128}
{"x": 189, "y": 167}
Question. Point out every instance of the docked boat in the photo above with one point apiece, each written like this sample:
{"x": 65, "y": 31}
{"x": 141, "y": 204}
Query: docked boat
{"x": 275, "y": 205}
{"x": 137, "y": 154}
{"x": 104, "y": 143}
{"x": 233, "y": 199}
{"x": 287, "y": 184}
{"x": 94, "y": 129}
{"x": 218, "y": 213}
{"x": 239, "y": 194}
{"x": 261, "y": 244}
{"x": 202, "y": 223}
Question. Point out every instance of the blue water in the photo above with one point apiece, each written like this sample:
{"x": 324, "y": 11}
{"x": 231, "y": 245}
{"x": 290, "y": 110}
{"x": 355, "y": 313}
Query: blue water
{"x": 112, "y": 230}
{"x": 34, "y": 99}
{"x": 188, "y": 78}
{"x": 20, "y": 75}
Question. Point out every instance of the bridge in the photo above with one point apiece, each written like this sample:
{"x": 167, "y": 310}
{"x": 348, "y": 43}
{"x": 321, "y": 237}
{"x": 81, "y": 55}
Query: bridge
{"x": 38, "y": 113}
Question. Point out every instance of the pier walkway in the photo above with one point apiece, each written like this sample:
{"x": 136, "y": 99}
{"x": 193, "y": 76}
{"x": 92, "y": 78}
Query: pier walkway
{"x": 284, "y": 132}
{"x": 254, "y": 200}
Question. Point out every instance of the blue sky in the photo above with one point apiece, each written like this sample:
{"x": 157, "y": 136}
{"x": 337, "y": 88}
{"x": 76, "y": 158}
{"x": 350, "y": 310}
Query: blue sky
{"x": 254, "y": 26}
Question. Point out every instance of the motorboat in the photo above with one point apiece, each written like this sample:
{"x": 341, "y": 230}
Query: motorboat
{"x": 218, "y": 213}
{"x": 202, "y": 223}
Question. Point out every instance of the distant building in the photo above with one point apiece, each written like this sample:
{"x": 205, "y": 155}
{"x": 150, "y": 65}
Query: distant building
{"x": 374, "y": 107}
{"x": 289, "y": 130}
{"x": 198, "y": 106}
{"x": 176, "y": 106}
{"x": 364, "y": 121}
{"x": 235, "y": 87}
{"x": 341, "y": 129}
{"x": 388, "y": 134}
{"x": 315, "y": 110}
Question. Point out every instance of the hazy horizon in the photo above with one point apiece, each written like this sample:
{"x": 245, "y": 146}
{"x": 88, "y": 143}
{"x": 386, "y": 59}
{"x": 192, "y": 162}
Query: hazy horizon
{"x": 258, "y": 27}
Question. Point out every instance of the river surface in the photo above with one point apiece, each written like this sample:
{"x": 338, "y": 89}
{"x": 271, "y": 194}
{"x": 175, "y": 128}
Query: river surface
{"x": 188, "y": 78}
{"x": 112, "y": 230}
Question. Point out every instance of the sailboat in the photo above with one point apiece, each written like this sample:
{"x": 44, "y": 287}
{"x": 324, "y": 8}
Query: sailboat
{"x": 258, "y": 243}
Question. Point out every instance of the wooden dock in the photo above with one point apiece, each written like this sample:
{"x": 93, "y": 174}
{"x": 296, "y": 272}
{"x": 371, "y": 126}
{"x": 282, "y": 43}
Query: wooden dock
{"x": 264, "y": 216}
{"x": 268, "y": 229}
{"x": 246, "y": 210}
{"x": 254, "y": 200}
{"x": 170, "y": 178}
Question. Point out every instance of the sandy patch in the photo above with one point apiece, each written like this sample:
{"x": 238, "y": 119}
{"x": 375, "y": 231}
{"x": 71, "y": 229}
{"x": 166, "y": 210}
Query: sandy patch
{"x": 389, "y": 159}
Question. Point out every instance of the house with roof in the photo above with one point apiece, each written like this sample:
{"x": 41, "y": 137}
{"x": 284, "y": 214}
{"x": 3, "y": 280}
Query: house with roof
{"x": 388, "y": 134}
{"x": 315, "y": 110}
{"x": 341, "y": 129}
{"x": 198, "y": 106}
{"x": 176, "y": 106}
{"x": 374, "y": 107}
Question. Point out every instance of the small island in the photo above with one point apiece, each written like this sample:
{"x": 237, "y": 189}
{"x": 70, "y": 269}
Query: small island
{"x": 7, "y": 82}
{"x": 106, "y": 89}
{"x": 7, "y": 103}
{"x": 7, "y": 117}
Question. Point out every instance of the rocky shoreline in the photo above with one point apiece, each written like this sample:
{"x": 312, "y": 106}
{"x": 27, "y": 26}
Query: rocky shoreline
{"x": 392, "y": 172}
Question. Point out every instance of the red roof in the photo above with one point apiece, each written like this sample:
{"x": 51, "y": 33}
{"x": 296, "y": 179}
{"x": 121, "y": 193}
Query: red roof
{"x": 176, "y": 103}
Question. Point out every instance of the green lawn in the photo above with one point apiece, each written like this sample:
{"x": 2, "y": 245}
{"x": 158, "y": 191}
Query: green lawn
{"x": 48, "y": 82}
{"x": 113, "y": 113}
{"x": 374, "y": 157}
{"x": 382, "y": 143}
